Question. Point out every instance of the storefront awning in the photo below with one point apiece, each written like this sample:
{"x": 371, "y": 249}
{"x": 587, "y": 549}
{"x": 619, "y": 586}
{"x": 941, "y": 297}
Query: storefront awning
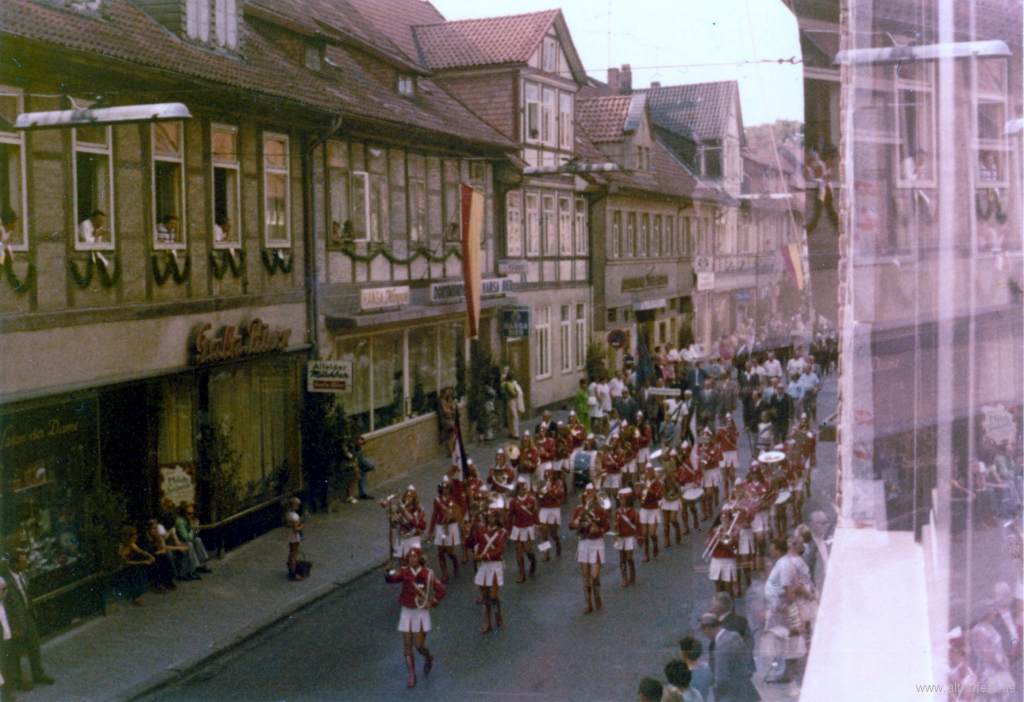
{"x": 340, "y": 321}
{"x": 162, "y": 112}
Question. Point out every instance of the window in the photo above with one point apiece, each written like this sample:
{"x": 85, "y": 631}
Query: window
{"x": 547, "y": 225}
{"x": 656, "y": 243}
{"x": 314, "y": 54}
{"x": 565, "y": 121}
{"x": 276, "y": 191}
{"x": 226, "y": 23}
{"x": 478, "y": 174}
{"x": 542, "y": 332}
{"x": 581, "y": 227}
{"x": 423, "y": 362}
{"x": 452, "y": 201}
{"x": 687, "y": 241}
{"x": 514, "y": 224}
{"x": 565, "y": 340}
{"x": 639, "y": 158}
{"x": 713, "y": 162}
{"x": 532, "y": 224}
{"x": 616, "y": 234}
{"x": 531, "y": 118}
{"x": 671, "y": 248}
{"x": 915, "y": 123}
{"x": 645, "y": 235}
{"x": 417, "y": 209}
{"x": 549, "y": 59}
{"x": 548, "y": 136}
{"x": 168, "y": 185}
{"x": 630, "y": 235}
{"x": 197, "y": 19}
{"x": 94, "y": 188}
{"x": 378, "y": 208}
{"x": 227, "y": 229}
{"x": 565, "y": 217}
{"x": 338, "y": 194}
{"x": 13, "y": 197}
{"x": 993, "y": 166}
{"x": 407, "y": 85}
{"x": 647, "y": 158}
{"x": 581, "y": 336}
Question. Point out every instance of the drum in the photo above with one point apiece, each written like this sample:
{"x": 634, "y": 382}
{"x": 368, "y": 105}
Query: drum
{"x": 783, "y": 498}
{"x": 771, "y": 457}
{"x": 583, "y": 466}
{"x": 693, "y": 495}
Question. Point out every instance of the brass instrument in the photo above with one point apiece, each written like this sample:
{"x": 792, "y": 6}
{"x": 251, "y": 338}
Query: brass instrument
{"x": 508, "y": 487}
{"x": 587, "y": 518}
{"x": 512, "y": 451}
{"x": 720, "y": 537}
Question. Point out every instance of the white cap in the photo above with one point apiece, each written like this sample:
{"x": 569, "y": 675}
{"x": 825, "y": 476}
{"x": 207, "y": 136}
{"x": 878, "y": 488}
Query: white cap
{"x": 500, "y": 452}
{"x": 572, "y": 413}
{"x": 625, "y": 491}
{"x": 526, "y": 433}
{"x": 521, "y": 480}
{"x": 624, "y": 424}
{"x": 412, "y": 488}
{"x": 590, "y": 436}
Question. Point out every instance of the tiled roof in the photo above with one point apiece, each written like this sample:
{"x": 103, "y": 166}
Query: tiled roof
{"x": 699, "y": 109}
{"x": 127, "y": 34}
{"x": 483, "y": 42}
{"x": 396, "y": 18}
{"x": 604, "y": 118}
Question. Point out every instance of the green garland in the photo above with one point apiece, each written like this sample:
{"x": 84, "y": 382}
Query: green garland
{"x": 420, "y": 251}
{"x": 107, "y": 279}
{"x": 274, "y": 260}
{"x": 17, "y": 285}
{"x": 171, "y": 270}
{"x": 82, "y": 281}
{"x": 227, "y": 260}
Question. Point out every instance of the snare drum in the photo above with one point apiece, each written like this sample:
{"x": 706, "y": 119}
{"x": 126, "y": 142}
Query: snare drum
{"x": 783, "y": 498}
{"x": 695, "y": 494}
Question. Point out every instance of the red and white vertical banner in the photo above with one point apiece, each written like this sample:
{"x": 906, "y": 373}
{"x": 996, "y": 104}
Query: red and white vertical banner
{"x": 472, "y": 228}
{"x": 791, "y": 255}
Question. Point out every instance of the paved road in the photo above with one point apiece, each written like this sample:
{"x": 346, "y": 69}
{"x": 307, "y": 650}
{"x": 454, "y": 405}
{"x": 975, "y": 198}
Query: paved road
{"x": 345, "y": 647}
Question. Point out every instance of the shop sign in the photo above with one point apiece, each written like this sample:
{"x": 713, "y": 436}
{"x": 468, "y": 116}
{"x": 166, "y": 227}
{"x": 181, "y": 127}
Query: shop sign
{"x": 742, "y": 296}
{"x": 515, "y": 322}
{"x": 998, "y": 424}
{"x": 650, "y": 304}
{"x": 232, "y": 342}
{"x": 643, "y": 282}
{"x": 178, "y": 485}
{"x": 452, "y": 292}
{"x": 379, "y": 298}
{"x": 512, "y": 265}
{"x": 705, "y": 281}
{"x": 329, "y": 376}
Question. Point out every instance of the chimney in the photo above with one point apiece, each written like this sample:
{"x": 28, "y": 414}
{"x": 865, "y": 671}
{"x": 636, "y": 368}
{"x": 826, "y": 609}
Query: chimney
{"x": 655, "y": 83}
{"x": 613, "y": 80}
{"x": 625, "y": 80}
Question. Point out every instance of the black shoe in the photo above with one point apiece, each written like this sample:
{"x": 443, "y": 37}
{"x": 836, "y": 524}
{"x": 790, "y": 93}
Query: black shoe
{"x": 44, "y": 680}
{"x": 204, "y": 570}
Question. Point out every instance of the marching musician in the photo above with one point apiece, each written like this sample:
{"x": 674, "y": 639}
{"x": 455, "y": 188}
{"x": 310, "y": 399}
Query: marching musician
{"x": 529, "y": 458}
{"x": 627, "y": 527}
{"x": 728, "y": 438}
{"x": 644, "y": 436}
{"x": 690, "y": 478}
{"x": 421, "y": 593}
{"x": 550, "y": 497}
{"x": 779, "y": 493}
{"x": 488, "y": 542}
{"x": 476, "y": 501}
{"x": 444, "y": 525}
{"x": 650, "y": 512}
{"x": 611, "y": 462}
{"x": 458, "y": 488}
{"x": 411, "y": 520}
{"x": 590, "y": 522}
{"x": 630, "y": 448}
{"x": 758, "y": 489}
{"x": 563, "y": 449}
{"x": 577, "y": 434}
{"x": 746, "y": 507}
{"x": 672, "y": 500}
{"x": 501, "y": 477}
{"x": 523, "y": 516}
{"x": 710, "y": 460}
{"x": 545, "y": 447}
{"x": 723, "y": 542}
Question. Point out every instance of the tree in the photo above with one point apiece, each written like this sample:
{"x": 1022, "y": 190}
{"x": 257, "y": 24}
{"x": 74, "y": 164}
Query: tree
{"x": 481, "y": 389}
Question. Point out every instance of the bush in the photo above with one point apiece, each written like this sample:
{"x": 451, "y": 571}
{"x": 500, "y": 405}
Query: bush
{"x": 595, "y": 360}
{"x": 104, "y": 515}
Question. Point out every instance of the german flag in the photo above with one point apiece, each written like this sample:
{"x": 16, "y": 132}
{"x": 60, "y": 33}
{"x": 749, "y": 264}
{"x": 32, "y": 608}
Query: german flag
{"x": 791, "y": 255}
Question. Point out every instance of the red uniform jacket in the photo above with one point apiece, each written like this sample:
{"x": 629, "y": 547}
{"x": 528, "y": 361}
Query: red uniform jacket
{"x": 762, "y": 490}
{"x": 552, "y": 494}
{"x": 611, "y": 461}
{"x": 446, "y": 511}
{"x": 414, "y": 525}
{"x": 672, "y": 490}
{"x": 523, "y": 511}
{"x": 691, "y": 475}
{"x": 723, "y": 550}
{"x": 507, "y": 475}
{"x": 563, "y": 447}
{"x": 644, "y": 436}
{"x": 711, "y": 455}
{"x": 578, "y": 434}
{"x": 420, "y": 587}
{"x": 529, "y": 459}
{"x": 488, "y": 544}
{"x": 629, "y": 443}
{"x": 747, "y": 508}
{"x": 651, "y": 494}
{"x": 596, "y": 529}
{"x": 627, "y": 521}
{"x": 547, "y": 449}
{"x": 459, "y": 493}
{"x": 727, "y": 438}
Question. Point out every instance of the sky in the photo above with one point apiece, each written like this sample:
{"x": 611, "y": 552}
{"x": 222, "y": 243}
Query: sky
{"x": 664, "y": 40}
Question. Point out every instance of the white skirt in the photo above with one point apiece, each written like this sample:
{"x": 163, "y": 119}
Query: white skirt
{"x": 630, "y": 467}
{"x": 650, "y": 516}
{"x": 625, "y": 543}
{"x": 644, "y": 455}
{"x": 405, "y": 545}
{"x": 550, "y": 515}
{"x": 671, "y": 505}
{"x": 543, "y": 467}
{"x": 612, "y": 480}
{"x": 447, "y": 534}
{"x": 759, "y": 525}
{"x": 562, "y": 464}
{"x": 746, "y": 542}
{"x": 414, "y": 620}
{"x": 523, "y": 533}
{"x": 490, "y": 573}
{"x": 713, "y": 477}
{"x": 723, "y": 569}
{"x": 730, "y": 458}
{"x": 590, "y": 551}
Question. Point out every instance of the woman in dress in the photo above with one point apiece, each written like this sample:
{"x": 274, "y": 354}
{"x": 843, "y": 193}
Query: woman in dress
{"x": 294, "y": 526}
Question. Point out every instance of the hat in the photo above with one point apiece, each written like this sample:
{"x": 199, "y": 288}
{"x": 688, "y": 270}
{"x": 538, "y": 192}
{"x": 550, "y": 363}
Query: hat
{"x": 590, "y": 488}
{"x": 708, "y": 621}
{"x": 687, "y": 392}
{"x": 624, "y": 424}
{"x": 672, "y": 452}
{"x": 414, "y": 549}
{"x": 446, "y": 480}
{"x": 469, "y": 462}
{"x": 590, "y": 436}
{"x": 522, "y": 480}
{"x": 412, "y": 488}
{"x": 561, "y": 424}
{"x": 625, "y": 492}
{"x": 500, "y": 452}
{"x": 639, "y": 414}
{"x": 685, "y": 444}
{"x": 572, "y": 413}
{"x": 956, "y": 637}
{"x": 739, "y": 482}
{"x": 526, "y": 433}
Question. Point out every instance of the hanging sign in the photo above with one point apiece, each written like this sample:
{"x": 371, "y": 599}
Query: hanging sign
{"x": 379, "y": 298}
{"x": 329, "y": 376}
{"x": 178, "y": 484}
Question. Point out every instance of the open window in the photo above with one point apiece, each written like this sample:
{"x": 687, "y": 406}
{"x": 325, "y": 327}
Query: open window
{"x": 915, "y": 124}
{"x": 13, "y": 200}
{"x": 276, "y": 192}
{"x": 94, "y": 188}
{"x": 341, "y": 228}
{"x": 227, "y": 193}
{"x": 531, "y": 115}
{"x": 168, "y": 144}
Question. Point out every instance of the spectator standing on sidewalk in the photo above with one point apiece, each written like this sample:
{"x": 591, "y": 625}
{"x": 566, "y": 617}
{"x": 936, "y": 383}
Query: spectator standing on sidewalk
{"x": 513, "y": 395}
{"x": 294, "y": 525}
{"x": 690, "y": 651}
{"x": 22, "y": 617}
{"x": 728, "y": 662}
{"x": 678, "y": 688}
{"x": 650, "y": 690}
{"x": 7, "y": 650}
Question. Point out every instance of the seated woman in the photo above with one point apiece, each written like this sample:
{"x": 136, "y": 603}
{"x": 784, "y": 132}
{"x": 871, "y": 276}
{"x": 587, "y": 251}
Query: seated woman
{"x": 161, "y": 571}
{"x": 133, "y": 578}
{"x": 181, "y": 556}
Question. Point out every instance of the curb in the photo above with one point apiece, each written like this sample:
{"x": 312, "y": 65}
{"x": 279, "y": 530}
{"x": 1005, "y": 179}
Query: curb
{"x": 180, "y": 670}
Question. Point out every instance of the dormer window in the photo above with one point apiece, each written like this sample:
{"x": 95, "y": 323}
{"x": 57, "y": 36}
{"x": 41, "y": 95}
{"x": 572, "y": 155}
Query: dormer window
{"x": 215, "y": 20}
{"x": 407, "y": 85}
{"x": 314, "y": 57}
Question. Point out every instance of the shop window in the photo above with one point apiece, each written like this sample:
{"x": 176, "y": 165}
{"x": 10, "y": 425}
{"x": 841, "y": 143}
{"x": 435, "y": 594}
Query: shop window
{"x": 176, "y": 430}
{"x": 452, "y": 201}
{"x": 532, "y": 224}
{"x": 452, "y": 346}
{"x": 531, "y": 115}
{"x": 94, "y": 188}
{"x": 565, "y": 339}
{"x": 514, "y": 224}
{"x": 358, "y": 401}
{"x": 565, "y": 217}
{"x": 13, "y": 200}
{"x": 616, "y": 234}
{"x": 227, "y": 193}
{"x": 581, "y": 227}
{"x": 276, "y": 191}
{"x": 338, "y": 195}
{"x": 581, "y": 335}
{"x": 547, "y": 224}
{"x": 168, "y": 185}
{"x": 423, "y": 365}
{"x": 388, "y": 379}
{"x": 542, "y": 331}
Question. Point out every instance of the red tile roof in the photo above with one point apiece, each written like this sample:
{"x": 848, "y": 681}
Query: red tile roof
{"x": 483, "y": 42}
{"x": 396, "y": 19}
{"x": 700, "y": 108}
{"x": 604, "y": 118}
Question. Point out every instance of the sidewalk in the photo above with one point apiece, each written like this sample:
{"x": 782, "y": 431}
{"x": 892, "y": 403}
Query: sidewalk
{"x": 127, "y": 653}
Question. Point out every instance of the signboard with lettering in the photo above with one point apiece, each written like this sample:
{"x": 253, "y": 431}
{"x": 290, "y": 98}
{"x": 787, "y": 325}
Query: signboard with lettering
{"x": 329, "y": 376}
{"x": 644, "y": 281}
{"x": 177, "y": 484}
{"x": 231, "y": 342}
{"x": 705, "y": 281}
{"x": 456, "y": 291}
{"x": 379, "y": 298}
{"x": 515, "y": 322}
{"x": 512, "y": 265}
{"x": 998, "y": 424}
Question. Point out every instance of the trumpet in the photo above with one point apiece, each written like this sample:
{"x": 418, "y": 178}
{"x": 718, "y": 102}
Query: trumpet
{"x": 720, "y": 537}
{"x": 587, "y": 519}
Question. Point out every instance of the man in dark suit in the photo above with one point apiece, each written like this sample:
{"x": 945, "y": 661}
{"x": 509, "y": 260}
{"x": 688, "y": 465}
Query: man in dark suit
{"x": 695, "y": 379}
{"x": 729, "y": 662}
{"x": 23, "y": 624}
{"x": 723, "y": 607}
{"x": 707, "y": 406}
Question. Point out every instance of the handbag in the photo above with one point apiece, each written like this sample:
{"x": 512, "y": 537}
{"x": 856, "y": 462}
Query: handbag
{"x": 302, "y": 566}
